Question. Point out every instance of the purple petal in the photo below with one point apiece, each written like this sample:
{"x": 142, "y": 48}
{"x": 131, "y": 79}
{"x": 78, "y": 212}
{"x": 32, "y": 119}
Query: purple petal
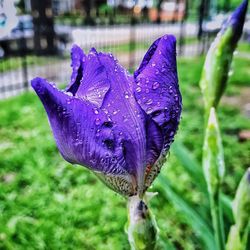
{"x": 95, "y": 84}
{"x": 157, "y": 92}
{"x": 77, "y": 64}
{"x": 129, "y": 121}
{"x": 147, "y": 57}
{"x": 85, "y": 138}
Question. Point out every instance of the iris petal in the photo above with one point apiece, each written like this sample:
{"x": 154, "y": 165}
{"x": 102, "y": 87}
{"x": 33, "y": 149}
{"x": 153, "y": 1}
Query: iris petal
{"x": 128, "y": 118}
{"x": 157, "y": 92}
{"x": 80, "y": 139}
{"x": 77, "y": 64}
{"x": 95, "y": 80}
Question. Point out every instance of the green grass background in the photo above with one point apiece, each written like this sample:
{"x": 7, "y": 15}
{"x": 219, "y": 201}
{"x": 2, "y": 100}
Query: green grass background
{"x": 46, "y": 203}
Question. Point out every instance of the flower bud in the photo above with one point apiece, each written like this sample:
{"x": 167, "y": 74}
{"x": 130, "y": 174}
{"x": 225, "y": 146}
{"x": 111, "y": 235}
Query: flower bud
{"x": 219, "y": 57}
{"x": 241, "y": 203}
{"x": 213, "y": 157}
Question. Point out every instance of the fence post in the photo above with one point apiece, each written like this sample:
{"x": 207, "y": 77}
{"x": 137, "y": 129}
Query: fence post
{"x": 22, "y": 52}
{"x": 132, "y": 42}
{"x": 44, "y": 34}
{"x": 183, "y": 29}
{"x": 203, "y": 13}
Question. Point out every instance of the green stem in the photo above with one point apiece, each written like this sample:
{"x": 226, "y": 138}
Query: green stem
{"x": 142, "y": 229}
{"x": 217, "y": 220}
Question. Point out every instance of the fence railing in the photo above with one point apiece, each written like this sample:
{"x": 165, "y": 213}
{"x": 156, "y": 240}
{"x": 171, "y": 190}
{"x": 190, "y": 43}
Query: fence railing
{"x": 127, "y": 42}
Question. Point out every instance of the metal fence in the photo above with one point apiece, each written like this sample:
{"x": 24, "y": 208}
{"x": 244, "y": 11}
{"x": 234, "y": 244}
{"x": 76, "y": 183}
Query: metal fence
{"x": 128, "y": 42}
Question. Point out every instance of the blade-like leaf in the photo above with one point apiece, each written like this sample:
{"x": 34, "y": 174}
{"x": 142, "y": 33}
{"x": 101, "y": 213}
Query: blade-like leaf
{"x": 193, "y": 218}
{"x": 193, "y": 168}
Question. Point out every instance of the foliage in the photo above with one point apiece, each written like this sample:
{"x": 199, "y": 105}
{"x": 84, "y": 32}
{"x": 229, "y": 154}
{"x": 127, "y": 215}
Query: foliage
{"x": 46, "y": 203}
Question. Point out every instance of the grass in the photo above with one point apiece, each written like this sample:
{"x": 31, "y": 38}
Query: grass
{"x": 47, "y": 203}
{"x": 14, "y": 63}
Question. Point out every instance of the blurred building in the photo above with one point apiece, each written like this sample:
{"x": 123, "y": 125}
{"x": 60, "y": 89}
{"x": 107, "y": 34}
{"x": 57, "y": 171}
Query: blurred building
{"x": 163, "y": 10}
{"x": 169, "y": 10}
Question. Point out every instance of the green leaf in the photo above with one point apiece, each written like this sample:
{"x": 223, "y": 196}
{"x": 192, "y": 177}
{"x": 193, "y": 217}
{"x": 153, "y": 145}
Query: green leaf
{"x": 234, "y": 241}
{"x": 193, "y": 168}
{"x": 241, "y": 204}
{"x": 193, "y": 218}
{"x": 189, "y": 163}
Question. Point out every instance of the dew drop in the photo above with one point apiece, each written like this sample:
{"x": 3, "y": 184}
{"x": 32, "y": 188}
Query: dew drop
{"x": 126, "y": 95}
{"x": 170, "y": 90}
{"x": 153, "y": 64}
{"x": 149, "y": 101}
{"x": 149, "y": 109}
{"x": 96, "y": 111}
{"x": 115, "y": 111}
{"x": 69, "y": 93}
{"x": 155, "y": 85}
{"x": 138, "y": 89}
{"x": 97, "y": 121}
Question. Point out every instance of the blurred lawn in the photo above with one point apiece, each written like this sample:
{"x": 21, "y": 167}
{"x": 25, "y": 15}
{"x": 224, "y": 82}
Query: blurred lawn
{"x": 46, "y": 203}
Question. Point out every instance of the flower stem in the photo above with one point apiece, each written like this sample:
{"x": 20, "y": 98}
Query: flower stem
{"x": 217, "y": 220}
{"x": 142, "y": 229}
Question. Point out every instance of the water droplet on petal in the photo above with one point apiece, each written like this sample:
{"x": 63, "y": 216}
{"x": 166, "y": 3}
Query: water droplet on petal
{"x": 149, "y": 101}
{"x": 96, "y": 111}
{"x": 138, "y": 89}
{"x": 153, "y": 64}
{"x": 155, "y": 85}
{"x": 149, "y": 109}
{"x": 170, "y": 90}
{"x": 126, "y": 95}
{"x": 115, "y": 111}
{"x": 97, "y": 121}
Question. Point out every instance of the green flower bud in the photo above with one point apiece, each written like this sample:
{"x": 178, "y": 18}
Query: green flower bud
{"x": 241, "y": 203}
{"x": 219, "y": 57}
{"x": 234, "y": 241}
{"x": 213, "y": 157}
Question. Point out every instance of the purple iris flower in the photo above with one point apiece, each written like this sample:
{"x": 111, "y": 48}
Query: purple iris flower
{"x": 118, "y": 125}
